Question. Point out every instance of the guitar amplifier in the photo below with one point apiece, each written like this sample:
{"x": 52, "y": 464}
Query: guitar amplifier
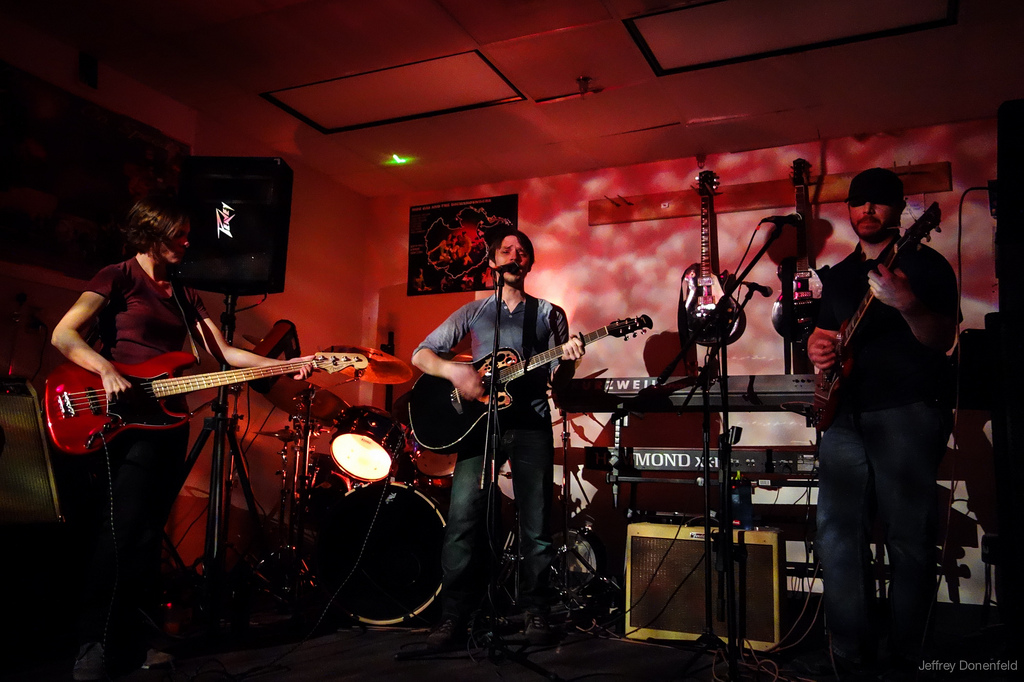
{"x": 665, "y": 584}
{"x": 26, "y": 476}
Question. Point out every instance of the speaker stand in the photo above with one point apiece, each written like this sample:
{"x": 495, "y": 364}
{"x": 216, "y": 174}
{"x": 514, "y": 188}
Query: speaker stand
{"x": 225, "y": 452}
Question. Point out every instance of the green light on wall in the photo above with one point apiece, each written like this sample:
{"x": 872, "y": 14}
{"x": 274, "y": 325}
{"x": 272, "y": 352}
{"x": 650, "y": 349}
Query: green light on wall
{"x": 397, "y": 160}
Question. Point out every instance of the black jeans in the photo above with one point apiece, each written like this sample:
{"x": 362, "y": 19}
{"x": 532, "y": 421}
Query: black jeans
{"x": 123, "y": 574}
{"x": 466, "y": 556}
{"x": 883, "y": 462}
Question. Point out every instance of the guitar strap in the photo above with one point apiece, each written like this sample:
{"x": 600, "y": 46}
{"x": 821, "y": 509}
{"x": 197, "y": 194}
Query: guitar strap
{"x": 530, "y": 327}
{"x": 189, "y": 319}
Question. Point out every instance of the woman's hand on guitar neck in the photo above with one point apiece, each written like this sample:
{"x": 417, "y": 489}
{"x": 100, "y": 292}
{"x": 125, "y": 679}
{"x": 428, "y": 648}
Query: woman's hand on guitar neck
{"x": 821, "y": 348}
{"x": 306, "y": 369}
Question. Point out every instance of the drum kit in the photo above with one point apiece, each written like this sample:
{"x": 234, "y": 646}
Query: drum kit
{"x": 355, "y": 520}
{"x": 375, "y": 528}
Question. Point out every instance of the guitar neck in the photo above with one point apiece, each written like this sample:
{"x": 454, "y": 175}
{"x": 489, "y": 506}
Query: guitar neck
{"x": 887, "y": 258}
{"x": 177, "y": 385}
{"x": 706, "y": 216}
{"x": 540, "y": 359}
{"x": 803, "y": 207}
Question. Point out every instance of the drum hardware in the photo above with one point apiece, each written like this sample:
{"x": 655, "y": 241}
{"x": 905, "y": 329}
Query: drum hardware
{"x": 580, "y": 555}
{"x": 285, "y": 569}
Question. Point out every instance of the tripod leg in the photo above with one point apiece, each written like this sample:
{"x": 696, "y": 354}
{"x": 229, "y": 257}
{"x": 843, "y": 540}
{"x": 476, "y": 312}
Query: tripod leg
{"x": 197, "y": 449}
{"x": 243, "y": 479}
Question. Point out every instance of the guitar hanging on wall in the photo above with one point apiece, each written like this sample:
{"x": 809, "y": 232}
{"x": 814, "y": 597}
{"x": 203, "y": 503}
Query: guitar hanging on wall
{"x": 801, "y": 285}
{"x": 701, "y": 290}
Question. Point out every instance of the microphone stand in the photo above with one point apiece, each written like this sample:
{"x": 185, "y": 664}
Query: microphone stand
{"x": 727, "y": 439}
{"x": 496, "y": 646}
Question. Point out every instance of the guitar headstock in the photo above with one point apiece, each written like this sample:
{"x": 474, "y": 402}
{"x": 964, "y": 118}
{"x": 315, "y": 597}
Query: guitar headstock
{"x": 707, "y": 182}
{"x": 921, "y": 228}
{"x": 633, "y": 325}
{"x": 801, "y": 173}
{"x": 335, "y": 362}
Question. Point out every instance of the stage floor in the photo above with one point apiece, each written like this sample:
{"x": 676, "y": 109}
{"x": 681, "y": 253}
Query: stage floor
{"x": 359, "y": 652}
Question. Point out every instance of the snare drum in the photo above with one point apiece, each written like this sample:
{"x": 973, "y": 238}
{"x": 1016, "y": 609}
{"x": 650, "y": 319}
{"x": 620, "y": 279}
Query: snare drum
{"x": 432, "y": 464}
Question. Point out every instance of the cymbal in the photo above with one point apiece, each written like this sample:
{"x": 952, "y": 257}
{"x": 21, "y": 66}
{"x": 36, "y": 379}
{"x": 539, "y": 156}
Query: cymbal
{"x": 289, "y": 395}
{"x": 284, "y": 434}
{"x": 382, "y": 368}
{"x": 326, "y": 405}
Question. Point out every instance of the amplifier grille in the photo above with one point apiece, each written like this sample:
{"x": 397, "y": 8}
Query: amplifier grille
{"x": 667, "y": 602}
{"x": 26, "y": 478}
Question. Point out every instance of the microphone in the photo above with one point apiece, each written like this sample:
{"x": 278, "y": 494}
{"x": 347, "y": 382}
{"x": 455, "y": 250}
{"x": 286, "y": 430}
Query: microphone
{"x": 511, "y": 268}
{"x": 791, "y": 219}
{"x": 759, "y": 288}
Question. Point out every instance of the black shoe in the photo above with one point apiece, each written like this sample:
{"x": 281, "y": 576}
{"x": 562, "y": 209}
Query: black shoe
{"x": 445, "y": 634}
{"x": 538, "y": 630}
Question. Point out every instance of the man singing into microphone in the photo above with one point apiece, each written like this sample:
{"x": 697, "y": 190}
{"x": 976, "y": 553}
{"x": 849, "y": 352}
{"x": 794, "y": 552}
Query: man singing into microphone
{"x": 528, "y": 325}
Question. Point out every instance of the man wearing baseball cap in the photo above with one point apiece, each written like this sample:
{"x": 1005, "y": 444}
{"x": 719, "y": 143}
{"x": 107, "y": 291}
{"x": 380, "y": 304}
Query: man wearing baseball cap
{"x": 879, "y": 456}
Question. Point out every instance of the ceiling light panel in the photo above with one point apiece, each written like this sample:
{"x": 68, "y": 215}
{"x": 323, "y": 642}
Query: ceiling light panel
{"x": 418, "y": 90}
{"x": 729, "y": 31}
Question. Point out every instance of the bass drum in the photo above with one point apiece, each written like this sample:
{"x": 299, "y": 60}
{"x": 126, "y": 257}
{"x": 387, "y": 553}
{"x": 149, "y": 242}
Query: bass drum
{"x": 391, "y": 534}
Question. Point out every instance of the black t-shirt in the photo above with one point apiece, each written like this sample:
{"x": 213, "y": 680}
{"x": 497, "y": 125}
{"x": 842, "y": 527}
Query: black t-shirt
{"x": 890, "y": 366}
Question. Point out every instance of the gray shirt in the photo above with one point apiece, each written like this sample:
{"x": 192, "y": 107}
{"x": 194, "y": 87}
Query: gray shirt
{"x": 477, "y": 320}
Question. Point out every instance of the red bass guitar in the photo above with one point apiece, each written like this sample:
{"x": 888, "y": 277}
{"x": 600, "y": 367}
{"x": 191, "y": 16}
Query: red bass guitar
{"x": 79, "y": 418}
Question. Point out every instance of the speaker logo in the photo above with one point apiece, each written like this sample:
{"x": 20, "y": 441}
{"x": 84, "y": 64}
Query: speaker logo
{"x": 224, "y": 215}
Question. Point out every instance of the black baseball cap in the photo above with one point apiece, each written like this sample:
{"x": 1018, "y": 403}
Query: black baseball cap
{"x": 877, "y": 185}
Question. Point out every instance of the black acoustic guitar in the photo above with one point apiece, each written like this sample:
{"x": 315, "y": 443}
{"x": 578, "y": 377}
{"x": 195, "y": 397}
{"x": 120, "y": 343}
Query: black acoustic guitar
{"x": 439, "y": 417}
{"x": 701, "y": 290}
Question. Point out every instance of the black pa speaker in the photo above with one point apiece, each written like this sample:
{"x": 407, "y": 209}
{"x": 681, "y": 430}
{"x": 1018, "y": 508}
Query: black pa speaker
{"x": 239, "y": 208}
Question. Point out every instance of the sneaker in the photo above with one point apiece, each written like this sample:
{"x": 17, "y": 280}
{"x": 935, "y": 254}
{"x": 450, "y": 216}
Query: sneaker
{"x": 538, "y": 630}
{"x": 444, "y": 634}
{"x": 89, "y": 664}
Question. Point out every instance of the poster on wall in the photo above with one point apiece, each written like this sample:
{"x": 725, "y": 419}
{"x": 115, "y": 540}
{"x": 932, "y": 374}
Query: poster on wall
{"x": 69, "y": 172}
{"x": 448, "y": 243}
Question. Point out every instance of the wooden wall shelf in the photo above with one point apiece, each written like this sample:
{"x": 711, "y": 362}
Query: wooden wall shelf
{"x": 917, "y": 179}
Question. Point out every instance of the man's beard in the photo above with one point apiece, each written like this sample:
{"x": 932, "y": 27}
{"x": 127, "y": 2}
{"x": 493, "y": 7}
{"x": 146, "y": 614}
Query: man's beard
{"x": 881, "y": 234}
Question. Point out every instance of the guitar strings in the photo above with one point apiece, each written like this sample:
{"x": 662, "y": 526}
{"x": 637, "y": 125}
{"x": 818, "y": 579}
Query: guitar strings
{"x": 93, "y": 398}
{"x": 91, "y": 395}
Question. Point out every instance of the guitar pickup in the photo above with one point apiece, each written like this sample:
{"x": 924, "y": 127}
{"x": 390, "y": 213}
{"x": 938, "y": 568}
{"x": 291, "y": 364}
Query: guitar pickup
{"x": 64, "y": 403}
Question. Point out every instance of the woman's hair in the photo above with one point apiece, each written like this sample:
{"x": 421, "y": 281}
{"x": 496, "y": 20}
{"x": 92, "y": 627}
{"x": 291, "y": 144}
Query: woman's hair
{"x": 153, "y": 221}
{"x": 498, "y": 237}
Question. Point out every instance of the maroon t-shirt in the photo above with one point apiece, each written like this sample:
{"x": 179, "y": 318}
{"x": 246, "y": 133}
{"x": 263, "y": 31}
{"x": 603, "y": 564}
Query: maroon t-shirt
{"x": 139, "y": 321}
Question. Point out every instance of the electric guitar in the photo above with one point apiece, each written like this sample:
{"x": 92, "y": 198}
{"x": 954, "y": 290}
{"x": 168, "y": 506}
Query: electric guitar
{"x": 828, "y": 384}
{"x": 701, "y": 290}
{"x": 439, "y": 417}
{"x": 797, "y": 322}
{"x": 79, "y": 418}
